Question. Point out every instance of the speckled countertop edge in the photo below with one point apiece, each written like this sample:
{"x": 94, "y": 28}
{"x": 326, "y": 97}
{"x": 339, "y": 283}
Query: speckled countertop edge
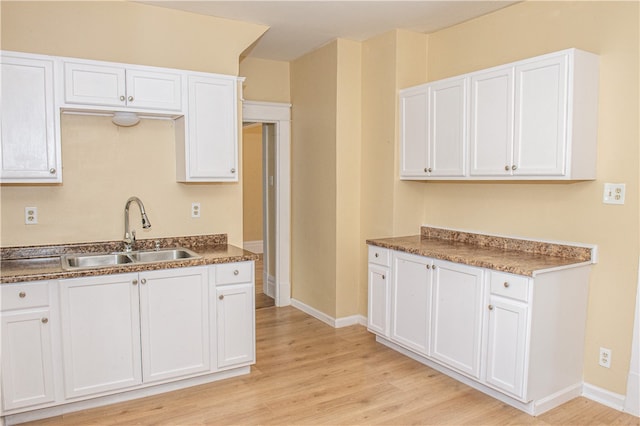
{"x": 36, "y": 263}
{"x": 516, "y": 256}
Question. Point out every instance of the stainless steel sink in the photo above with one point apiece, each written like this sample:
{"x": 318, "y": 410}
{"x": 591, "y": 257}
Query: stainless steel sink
{"x": 85, "y": 261}
{"x": 89, "y": 260}
{"x": 164, "y": 255}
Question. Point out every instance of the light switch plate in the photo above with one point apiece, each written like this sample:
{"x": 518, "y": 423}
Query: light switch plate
{"x": 613, "y": 193}
{"x": 195, "y": 210}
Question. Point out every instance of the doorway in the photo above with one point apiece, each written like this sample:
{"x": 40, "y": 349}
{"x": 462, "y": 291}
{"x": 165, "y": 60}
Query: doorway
{"x": 273, "y": 122}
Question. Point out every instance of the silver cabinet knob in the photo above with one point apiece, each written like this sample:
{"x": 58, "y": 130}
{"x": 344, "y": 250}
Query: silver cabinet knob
{"x": 22, "y": 295}
{"x": 383, "y": 277}
{"x": 134, "y": 282}
{"x": 429, "y": 169}
{"x": 52, "y": 171}
{"x": 122, "y": 98}
{"x": 130, "y": 98}
{"x": 233, "y": 170}
{"x": 506, "y": 284}
{"x": 221, "y": 297}
{"x": 236, "y": 272}
{"x": 143, "y": 281}
{"x": 433, "y": 267}
{"x": 426, "y": 170}
{"x": 45, "y": 320}
{"x": 514, "y": 167}
{"x": 428, "y": 266}
{"x": 376, "y": 255}
{"x": 506, "y": 168}
{"x": 491, "y": 307}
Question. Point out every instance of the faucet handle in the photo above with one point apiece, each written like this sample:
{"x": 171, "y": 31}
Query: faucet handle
{"x": 133, "y": 236}
{"x": 157, "y": 245}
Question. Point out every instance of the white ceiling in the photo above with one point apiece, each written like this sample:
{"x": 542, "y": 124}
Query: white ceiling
{"x": 298, "y": 27}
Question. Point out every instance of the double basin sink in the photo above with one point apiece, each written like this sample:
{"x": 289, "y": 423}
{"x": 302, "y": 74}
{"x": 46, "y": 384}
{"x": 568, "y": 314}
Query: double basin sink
{"x": 90, "y": 260}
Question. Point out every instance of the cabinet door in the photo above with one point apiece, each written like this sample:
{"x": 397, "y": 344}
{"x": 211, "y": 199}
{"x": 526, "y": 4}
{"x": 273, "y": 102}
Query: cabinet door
{"x": 174, "y": 310}
{"x": 29, "y": 140}
{"x": 447, "y": 127}
{"x": 27, "y": 363}
{"x": 491, "y": 127}
{"x": 212, "y": 134}
{"x": 506, "y": 345}
{"x": 541, "y": 117}
{"x": 154, "y": 90}
{"x": 378, "y": 303}
{"x": 414, "y": 116}
{"x": 235, "y": 314}
{"x": 411, "y": 301}
{"x": 100, "y": 333}
{"x": 94, "y": 84}
{"x": 457, "y": 316}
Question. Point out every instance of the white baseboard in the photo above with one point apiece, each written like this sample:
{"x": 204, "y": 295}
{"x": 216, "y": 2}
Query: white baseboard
{"x": 270, "y": 281}
{"x": 327, "y": 319}
{"x": 253, "y": 246}
{"x": 603, "y": 396}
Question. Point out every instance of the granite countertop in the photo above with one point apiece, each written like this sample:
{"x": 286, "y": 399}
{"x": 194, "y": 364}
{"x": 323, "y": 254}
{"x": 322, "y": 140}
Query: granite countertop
{"x": 516, "y": 256}
{"x": 35, "y": 263}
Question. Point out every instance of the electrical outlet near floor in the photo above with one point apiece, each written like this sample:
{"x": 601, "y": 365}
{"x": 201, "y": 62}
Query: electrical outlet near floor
{"x": 195, "y": 210}
{"x": 605, "y": 357}
{"x": 30, "y": 215}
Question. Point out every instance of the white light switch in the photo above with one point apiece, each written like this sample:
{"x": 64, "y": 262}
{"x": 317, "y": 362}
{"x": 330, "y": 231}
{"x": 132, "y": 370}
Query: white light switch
{"x": 613, "y": 193}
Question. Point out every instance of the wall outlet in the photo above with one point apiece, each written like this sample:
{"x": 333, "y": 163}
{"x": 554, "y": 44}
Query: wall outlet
{"x": 195, "y": 210}
{"x": 30, "y": 215}
{"x": 613, "y": 193}
{"x": 605, "y": 357}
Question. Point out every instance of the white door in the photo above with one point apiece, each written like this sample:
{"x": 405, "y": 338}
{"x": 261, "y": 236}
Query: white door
{"x": 94, "y": 84}
{"x": 174, "y": 311}
{"x": 235, "y": 314}
{"x": 457, "y": 316}
{"x": 212, "y": 129}
{"x": 447, "y": 127}
{"x": 491, "y": 123}
{"x": 506, "y": 345}
{"x": 378, "y": 303}
{"x": 411, "y": 301}
{"x": 100, "y": 333}
{"x": 29, "y": 147}
{"x": 154, "y": 90}
{"x": 414, "y": 116}
{"x": 27, "y": 364}
{"x": 541, "y": 117}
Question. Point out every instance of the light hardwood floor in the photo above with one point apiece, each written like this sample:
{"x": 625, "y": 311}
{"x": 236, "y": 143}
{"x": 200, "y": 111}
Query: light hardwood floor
{"x": 309, "y": 373}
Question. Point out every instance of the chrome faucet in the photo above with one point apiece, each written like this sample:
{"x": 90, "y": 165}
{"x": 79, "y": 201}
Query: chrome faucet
{"x": 130, "y": 236}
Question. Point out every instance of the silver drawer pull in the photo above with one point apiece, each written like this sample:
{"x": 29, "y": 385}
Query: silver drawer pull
{"x": 22, "y": 295}
{"x": 506, "y": 284}
{"x": 45, "y": 320}
{"x": 143, "y": 281}
{"x": 376, "y": 255}
{"x": 221, "y": 297}
{"x": 491, "y": 307}
{"x": 383, "y": 277}
{"x": 134, "y": 282}
{"x": 236, "y": 272}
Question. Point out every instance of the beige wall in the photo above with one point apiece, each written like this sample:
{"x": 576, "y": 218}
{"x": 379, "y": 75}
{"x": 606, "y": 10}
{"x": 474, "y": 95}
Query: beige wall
{"x": 313, "y": 179}
{"x": 569, "y": 212}
{"x": 266, "y": 80}
{"x": 252, "y": 182}
{"x": 103, "y": 164}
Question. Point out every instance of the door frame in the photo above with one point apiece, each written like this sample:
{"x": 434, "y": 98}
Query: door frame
{"x": 278, "y": 114}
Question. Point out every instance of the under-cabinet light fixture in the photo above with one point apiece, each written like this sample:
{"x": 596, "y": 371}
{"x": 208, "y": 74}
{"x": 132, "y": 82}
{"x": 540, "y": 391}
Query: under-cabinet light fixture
{"x": 125, "y": 118}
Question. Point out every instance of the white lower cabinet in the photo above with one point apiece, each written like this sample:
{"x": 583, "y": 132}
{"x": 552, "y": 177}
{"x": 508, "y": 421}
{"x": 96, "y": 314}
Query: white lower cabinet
{"x": 411, "y": 301}
{"x": 517, "y": 338}
{"x": 27, "y": 356}
{"x": 119, "y": 331}
{"x": 457, "y": 316}
{"x": 235, "y": 314}
{"x": 379, "y": 291}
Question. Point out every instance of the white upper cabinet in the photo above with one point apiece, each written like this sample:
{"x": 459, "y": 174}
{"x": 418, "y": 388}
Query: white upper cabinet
{"x": 534, "y": 119}
{"x": 209, "y": 150}
{"x": 433, "y": 129}
{"x": 30, "y": 127}
{"x": 114, "y": 85}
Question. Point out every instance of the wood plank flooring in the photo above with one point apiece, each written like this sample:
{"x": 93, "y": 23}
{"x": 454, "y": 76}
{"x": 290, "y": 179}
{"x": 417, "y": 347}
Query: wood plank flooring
{"x": 308, "y": 373}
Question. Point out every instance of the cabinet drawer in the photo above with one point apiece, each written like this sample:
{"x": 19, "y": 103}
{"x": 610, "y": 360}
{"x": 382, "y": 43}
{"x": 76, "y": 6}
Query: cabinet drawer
{"x": 19, "y": 296}
{"x": 508, "y": 285}
{"x": 379, "y": 256}
{"x": 234, "y": 273}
